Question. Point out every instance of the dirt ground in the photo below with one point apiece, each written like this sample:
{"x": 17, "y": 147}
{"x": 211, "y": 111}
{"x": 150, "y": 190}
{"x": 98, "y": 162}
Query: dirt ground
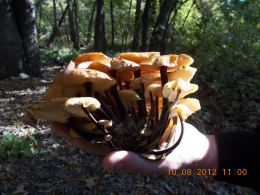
{"x": 65, "y": 169}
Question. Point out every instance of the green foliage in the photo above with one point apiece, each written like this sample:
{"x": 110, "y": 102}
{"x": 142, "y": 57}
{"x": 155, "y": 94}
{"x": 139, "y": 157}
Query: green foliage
{"x": 61, "y": 55}
{"x": 225, "y": 44}
{"x": 13, "y": 147}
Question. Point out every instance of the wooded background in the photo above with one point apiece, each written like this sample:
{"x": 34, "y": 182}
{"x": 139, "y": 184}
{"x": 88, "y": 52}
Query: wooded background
{"x": 222, "y": 36}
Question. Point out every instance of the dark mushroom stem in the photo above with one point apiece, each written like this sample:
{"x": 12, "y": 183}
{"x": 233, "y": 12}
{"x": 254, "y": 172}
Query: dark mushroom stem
{"x": 166, "y": 109}
{"x": 143, "y": 97}
{"x": 164, "y": 80}
{"x": 133, "y": 114}
{"x": 114, "y": 93}
{"x": 151, "y": 116}
{"x": 142, "y": 113}
{"x": 130, "y": 124}
{"x": 127, "y": 84}
{"x": 101, "y": 114}
{"x": 137, "y": 73}
{"x": 89, "y": 89}
{"x": 108, "y": 138}
{"x": 171, "y": 148}
{"x": 170, "y": 137}
{"x": 107, "y": 110}
{"x": 156, "y": 109}
{"x": 114, "y": 110}
{"x": 81, "y": 131}
{"x": 163, "y": 122}
{"x": 120, "y": 84}
{"x": 104, "y": 129}
{"x": 91, "y": 117}
{"x": 112, "y": 73}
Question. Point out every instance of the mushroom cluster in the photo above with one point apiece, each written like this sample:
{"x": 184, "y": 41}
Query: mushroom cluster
{"x": 134, "y": 101}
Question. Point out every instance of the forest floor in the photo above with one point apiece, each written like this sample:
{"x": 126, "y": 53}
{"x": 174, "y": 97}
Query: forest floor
{"x": 64, "y": 169}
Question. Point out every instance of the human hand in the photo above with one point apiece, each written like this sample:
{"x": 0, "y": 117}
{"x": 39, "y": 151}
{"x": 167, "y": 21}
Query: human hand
{"x": 195, "y": 150}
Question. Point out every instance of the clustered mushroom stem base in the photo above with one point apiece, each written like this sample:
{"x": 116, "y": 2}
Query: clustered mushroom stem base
{"x": 171, "y": 148}
{"x": 129, "y": 124}
{"x": 163, "y": 122}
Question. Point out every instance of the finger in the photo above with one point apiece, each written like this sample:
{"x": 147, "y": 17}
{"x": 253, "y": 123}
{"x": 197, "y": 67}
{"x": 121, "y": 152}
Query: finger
{"x": 63, "y": 131}
{"x": 132, "y": 162}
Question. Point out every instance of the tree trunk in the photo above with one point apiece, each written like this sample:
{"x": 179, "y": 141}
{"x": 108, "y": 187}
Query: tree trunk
{"x": 56, "y": 31}
{"x": 25, "y": 19}
{"x": 100, "y": 39}
{"x": 182, "y": 26}
{"x": 90, "y": 23}
{"x": 76, "y": 11}
{"x": 55, "y": 24}
{"x": 71, "y": 27}
{"x": 161, "y": 24}
{"x": 11, "y": 53}
{"x": 153, "y": 12}
{"x": 125, "y": 32}
{"x": 137, "y": 24}
{"x": 38, "y": 10}
{"x": 145, "y": 33}
{"x": 112, "y": 24}
{"x": 167, "y": 33}
{"x": 67, "y": 31}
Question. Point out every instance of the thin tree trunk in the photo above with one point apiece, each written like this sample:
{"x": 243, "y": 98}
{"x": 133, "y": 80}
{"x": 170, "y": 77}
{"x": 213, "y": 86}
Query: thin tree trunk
{"x": 125, "y": 32}
{"x": 161, "y": 24}
{"x": 38, "y": 10}
{"x": 170, "y": 29}
{"x": 172, "y": 26}
{"x": 145, "y": 33}
{"x": 137, "y": 24}
{"x": 65, "y": 23}
{"x": 71, "y": 26}
{"x": 100, "y": 39}
{"x": 167, "y": 33}
{"x": 182, "y": 26}
{"x": 112, "y": 24}
{"x": 55, "y": 24}
{"x": 153, "y": 12}
{"x": 90, "y": 23}
{"x": 25, "y": 19}
{"x": 76, "y": 10}
{"x": 11, "y": 52}
{"x": 56, "y": 31}
{"x": 67, "y": 31}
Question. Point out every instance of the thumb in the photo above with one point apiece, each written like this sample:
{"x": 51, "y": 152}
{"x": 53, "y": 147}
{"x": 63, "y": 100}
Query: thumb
{"x": 132, "y": 162}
